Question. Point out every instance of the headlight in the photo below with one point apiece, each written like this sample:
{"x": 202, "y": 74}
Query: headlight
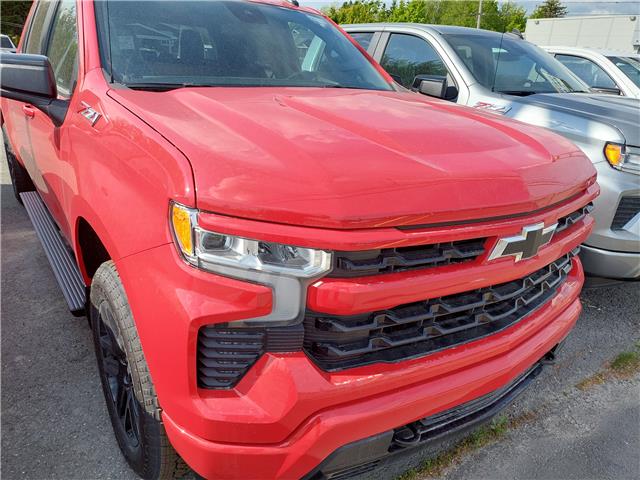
{"x": 623, "y": 157}
{"x": 287, "y": 269}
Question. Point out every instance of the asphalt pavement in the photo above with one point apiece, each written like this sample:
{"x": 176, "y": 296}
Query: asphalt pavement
{"x": 54, "y": 422}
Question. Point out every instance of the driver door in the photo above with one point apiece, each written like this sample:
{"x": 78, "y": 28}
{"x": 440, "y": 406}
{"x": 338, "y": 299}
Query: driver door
{"x": 48, "y": 142}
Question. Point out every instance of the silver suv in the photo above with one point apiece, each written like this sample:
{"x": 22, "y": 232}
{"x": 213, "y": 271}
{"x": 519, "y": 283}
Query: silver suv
{"x": 504, "y": 74}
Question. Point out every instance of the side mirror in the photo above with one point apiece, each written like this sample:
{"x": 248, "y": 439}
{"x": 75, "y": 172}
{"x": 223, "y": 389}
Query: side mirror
{"x": 434, "y": 86}
{"x": 29, "y": 79}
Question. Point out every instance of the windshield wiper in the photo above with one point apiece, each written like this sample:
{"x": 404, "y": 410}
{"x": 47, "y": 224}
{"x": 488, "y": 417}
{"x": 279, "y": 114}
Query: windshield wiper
{"x": 519, "y": 93}
{"x": 162, "y": 87}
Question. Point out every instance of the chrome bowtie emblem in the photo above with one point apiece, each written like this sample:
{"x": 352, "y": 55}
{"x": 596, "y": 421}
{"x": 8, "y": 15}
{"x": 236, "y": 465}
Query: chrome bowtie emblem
{"x": 89, "y": 113}
{"x": 525, "y": 245}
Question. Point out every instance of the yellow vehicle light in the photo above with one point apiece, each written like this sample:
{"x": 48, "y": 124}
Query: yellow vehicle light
{"x": 181, "y": 221}
{"x": 614, "y": 154}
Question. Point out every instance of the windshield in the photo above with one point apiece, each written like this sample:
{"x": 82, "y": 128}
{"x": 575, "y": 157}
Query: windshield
{"x": 629, "y": 66}
{"x": 227, "y": 43}
{"x": 505, "y": 64}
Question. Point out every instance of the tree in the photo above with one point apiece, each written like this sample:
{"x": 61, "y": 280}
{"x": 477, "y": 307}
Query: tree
{"x": 512, "y": 16}
{"x": 12, "y": 17}
{"x": 501, "y": 18}
{"x": 364, "y": 11}
{"x": 550, "y": 9}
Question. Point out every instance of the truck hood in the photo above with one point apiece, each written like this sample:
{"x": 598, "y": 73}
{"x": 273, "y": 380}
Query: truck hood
{"x": 339, "y": 158}
{"x": 621, "y": 113}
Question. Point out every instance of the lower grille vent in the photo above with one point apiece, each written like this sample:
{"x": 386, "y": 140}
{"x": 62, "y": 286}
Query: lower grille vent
{"x": 226, "y": 354}
{"x": 628, "y": 208}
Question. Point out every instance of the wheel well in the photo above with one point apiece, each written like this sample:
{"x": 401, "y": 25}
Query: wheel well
{"x": 92, "y": 251}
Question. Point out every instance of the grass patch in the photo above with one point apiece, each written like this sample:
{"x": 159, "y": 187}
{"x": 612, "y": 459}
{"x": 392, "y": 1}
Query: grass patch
{"x": 626, "y": 362}
{"x": 435, "y": 466}
{"x": 624, "y": 365}
{"x": 596, "y": 379}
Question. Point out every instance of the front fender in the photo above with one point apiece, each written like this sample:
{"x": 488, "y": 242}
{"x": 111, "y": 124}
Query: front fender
{"x": 120, "y": 177}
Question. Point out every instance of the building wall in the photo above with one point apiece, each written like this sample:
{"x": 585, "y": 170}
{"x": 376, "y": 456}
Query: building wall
{"x": 610, "y": 32}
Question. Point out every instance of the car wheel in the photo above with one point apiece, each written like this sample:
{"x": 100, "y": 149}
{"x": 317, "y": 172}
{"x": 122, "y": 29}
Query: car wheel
{"x": 128, "y": 390}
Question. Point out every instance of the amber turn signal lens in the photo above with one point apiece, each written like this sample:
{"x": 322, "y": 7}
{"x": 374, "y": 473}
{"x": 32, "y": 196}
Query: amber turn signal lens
{"x": 181, "y": 221}
{"x": 614, "y": 154}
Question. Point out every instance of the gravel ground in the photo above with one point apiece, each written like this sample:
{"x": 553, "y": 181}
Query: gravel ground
{"x": 55, "y": 425}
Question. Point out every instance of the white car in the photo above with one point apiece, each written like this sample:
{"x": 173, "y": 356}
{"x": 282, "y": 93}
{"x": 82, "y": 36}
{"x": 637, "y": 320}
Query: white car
{"x": 604, "y": 71}
{"x": 6, "y": 45}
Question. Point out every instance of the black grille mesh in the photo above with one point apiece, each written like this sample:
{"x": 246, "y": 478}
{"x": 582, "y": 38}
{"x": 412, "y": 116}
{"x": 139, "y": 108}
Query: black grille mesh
{"x": 411, "y": 330}
{"x": 390, "y": 260}
{"x": 628, "y": 208}
{"x": 568, "y": 220}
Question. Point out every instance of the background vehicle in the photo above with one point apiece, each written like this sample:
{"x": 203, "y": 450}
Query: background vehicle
{"x": 6, "y": 45}
{"x": 291, "y": 268}
{"x": 512, "y": 77}
{"x": 620, "y": 33}
{"x": 604, "y": 71}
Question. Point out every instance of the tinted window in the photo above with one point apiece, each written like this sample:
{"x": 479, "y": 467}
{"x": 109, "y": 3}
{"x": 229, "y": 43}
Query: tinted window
{"x": 407, "y": 56}
{"x": 588, "y": 71}
{"x": 629, "y": 66}
{"x": 364, "y": 39}
{"x": 507, "y": 64}
{"x": 218, "y": 43}
{"x": 38, "y": 31}
{"x": 63, "y": 47}
{"x": 5, "y": 42}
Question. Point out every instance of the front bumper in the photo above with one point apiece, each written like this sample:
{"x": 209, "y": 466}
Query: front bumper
{"x": 613, "y": 253}
{"x": 432, "y": 384}
{"x": 605, "y": 263}
{"x": 436, "y": 430}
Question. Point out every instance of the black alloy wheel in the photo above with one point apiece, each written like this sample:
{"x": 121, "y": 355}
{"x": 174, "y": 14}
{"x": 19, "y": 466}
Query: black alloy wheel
{"x": 115, "y": 369}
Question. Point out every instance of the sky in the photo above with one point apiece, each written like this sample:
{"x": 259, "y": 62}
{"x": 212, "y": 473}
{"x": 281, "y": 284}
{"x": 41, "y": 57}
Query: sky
{"x": 575, "y": 7}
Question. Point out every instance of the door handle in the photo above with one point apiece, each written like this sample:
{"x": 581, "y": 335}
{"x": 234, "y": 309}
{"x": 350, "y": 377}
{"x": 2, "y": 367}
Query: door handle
{"x": 28, "y": 111}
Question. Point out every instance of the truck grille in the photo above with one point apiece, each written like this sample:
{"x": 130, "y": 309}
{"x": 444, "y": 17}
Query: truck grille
{"x": 568, "y": 220}
{"x": 628, "y": 208}
{"x": 391, "y": 260}
{"x": 226, "y": 352}
{"x": 412, "y": 330}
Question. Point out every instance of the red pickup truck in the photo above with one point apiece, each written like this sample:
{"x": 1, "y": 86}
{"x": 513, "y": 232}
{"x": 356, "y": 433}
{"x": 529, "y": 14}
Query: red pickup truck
{"x": 291, "y": 267}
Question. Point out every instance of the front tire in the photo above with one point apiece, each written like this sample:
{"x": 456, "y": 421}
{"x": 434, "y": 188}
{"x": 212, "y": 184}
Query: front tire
{"x": 129, "y": 393}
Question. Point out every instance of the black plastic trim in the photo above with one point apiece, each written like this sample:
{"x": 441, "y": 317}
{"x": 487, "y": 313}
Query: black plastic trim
{"x": 628, "y": 208}
{"x": 399, "y": 259}
{"x": 226, "y": 353}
